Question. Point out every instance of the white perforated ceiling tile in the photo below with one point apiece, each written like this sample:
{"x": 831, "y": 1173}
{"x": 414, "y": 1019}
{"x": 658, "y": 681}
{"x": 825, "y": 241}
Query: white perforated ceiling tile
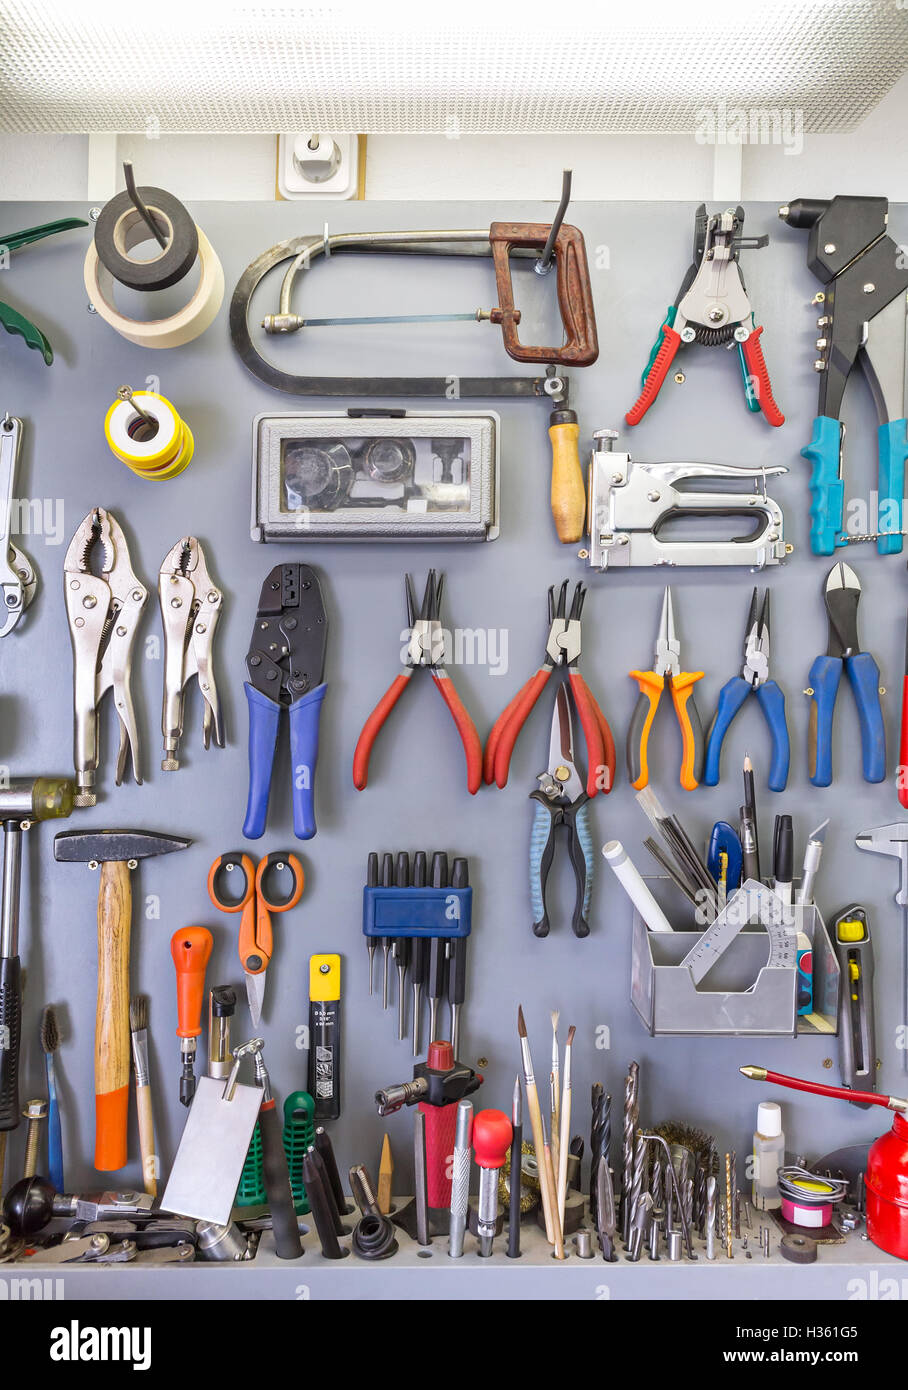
{"x": 455, "y": 67}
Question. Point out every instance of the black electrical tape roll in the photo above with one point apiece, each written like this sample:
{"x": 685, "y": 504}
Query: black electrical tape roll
{"x": 374, "y": 1238}
{"x": 167, "y": 268}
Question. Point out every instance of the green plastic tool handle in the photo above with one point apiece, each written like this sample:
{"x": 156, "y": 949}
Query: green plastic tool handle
{"x": 15, "y": 240}
{"x": 14, "y": 322}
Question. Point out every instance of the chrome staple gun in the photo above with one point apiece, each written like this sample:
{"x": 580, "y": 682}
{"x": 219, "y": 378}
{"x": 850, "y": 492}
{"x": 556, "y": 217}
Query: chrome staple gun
{"x": 631, "y": 504}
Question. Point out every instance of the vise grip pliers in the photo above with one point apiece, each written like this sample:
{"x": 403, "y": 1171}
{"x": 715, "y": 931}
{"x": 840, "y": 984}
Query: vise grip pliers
{"x": 103, "y": 611}
{"x": 190, "y": 608}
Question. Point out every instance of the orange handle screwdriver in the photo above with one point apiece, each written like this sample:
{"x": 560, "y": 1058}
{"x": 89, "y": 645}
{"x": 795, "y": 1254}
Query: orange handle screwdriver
{"x": 191, "y": 949}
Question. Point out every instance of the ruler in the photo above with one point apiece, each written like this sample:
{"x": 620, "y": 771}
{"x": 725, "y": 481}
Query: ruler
{"x": 752, "y": 903}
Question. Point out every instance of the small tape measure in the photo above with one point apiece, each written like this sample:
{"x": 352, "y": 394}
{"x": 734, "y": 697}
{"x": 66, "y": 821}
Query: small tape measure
{"x": 752, "y": 904}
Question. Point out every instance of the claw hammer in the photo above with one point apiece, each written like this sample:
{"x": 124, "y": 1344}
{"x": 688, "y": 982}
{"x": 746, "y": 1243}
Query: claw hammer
{"x": 116, "y": 852}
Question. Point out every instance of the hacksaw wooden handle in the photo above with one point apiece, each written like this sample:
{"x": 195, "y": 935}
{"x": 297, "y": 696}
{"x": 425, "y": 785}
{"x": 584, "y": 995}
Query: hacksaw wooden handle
{"x": 568, "y": 491}
{"x": 112, "y": 1020}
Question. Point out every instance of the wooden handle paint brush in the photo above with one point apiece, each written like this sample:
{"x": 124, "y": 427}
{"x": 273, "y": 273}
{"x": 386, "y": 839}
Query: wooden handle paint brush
{"x": 564, "y": 1147}
{"x": 546, "y": 1185}
{"x": 138, "y": 1027}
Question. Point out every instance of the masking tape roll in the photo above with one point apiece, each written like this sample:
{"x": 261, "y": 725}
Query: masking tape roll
{"x": 162, "y": 456}
{"x": 187, "y": 323}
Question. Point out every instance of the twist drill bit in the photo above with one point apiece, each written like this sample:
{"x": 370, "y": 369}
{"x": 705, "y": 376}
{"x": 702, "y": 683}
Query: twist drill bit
{"x": 700, "y": 1199}
{"x": 710, "y": 1218}
{"x": 657, "y": 1186}
{"x": 634, "y": 1232}
{"x": 600, "y": 1103}
{"x": 729, "y": 1229}
{"x": 631, "y": 1084}
{"x": 735, "y": 1205}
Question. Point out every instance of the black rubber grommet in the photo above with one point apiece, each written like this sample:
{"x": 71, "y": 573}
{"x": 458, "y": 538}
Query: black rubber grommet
{"x": 801, "y": 1250}
{"x": 167, "y": 268}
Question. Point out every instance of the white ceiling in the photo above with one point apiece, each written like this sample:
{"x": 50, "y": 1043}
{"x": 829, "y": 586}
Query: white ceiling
{"x": 460, "y": 67}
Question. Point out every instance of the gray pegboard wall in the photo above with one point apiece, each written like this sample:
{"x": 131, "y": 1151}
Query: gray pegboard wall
{"x": 417, "y": 795}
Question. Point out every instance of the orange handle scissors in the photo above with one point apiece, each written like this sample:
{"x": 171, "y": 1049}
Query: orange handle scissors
{"x": 257, "y": 899}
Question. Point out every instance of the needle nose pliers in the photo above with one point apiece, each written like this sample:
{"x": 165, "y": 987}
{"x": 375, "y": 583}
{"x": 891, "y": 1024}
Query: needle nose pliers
{"x": 842, "y": 593}
{"x": 563, "y": 649}
{"x": 425, "y": 649}
{"x": 666, "y": 672}
{"x": 754, "y": 679}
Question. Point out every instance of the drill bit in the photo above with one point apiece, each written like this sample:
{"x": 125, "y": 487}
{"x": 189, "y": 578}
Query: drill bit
{"x": 700, "y": 1198}
{"x": 710, "y": 1218}
{"x": 631, "y": 1084}
{"x": 729, "y": 1229}
{"x": 600, "y": 1135}
{"x": 656, "y": 1186}
{"x": 735, "y": 1205}
{"x": 636, "y": 1183}
{"x": 605, "y": 1210}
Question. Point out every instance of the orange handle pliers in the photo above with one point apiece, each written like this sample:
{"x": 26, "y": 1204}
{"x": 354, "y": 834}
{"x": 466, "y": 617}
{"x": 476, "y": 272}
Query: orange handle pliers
{"x": 666, "y": 672}
{"x": 562, "y": 649}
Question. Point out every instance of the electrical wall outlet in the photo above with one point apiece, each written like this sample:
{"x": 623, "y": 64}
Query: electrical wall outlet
{"x": 312, "y": 165}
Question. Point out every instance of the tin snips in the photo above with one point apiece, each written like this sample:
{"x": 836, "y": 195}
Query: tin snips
{"x": 190, "y": 607}
{"x": 103, "y": 610}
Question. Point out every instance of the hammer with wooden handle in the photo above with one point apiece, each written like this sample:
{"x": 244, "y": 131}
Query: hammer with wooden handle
{"x": 116, "y": 852}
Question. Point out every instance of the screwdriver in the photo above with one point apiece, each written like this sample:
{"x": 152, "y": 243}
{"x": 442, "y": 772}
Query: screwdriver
{"x": 420, "y": 958}
{"x": 190, "y": 949}
{"x": 387, "y": 881}
{"x": 435, "y": 978}
{"x": 372, "y": 882}
{"x": 400, "y": 950}
{"x": 457, "y": 959}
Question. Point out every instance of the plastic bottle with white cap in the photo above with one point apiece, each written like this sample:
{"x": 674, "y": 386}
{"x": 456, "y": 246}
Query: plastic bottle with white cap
{"x": 768, "y": 1155}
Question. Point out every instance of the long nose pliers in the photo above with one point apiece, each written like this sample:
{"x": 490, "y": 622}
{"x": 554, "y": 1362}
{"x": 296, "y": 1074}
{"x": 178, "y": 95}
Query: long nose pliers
{"x": 753, "y": 680}
{"x": 842, "y": 594}
{"x": 651, "y": 684}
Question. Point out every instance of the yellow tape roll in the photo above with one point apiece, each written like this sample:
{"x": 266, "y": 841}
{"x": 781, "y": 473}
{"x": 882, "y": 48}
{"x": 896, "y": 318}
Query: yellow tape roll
{"x": 162, "y": 455}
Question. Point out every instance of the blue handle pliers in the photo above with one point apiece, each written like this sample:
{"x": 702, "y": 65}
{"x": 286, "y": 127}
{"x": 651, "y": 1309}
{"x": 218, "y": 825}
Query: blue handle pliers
{"x": 285, "y": 661}
{"x": 842, "y": 594}
{"x": 754, "y": 679}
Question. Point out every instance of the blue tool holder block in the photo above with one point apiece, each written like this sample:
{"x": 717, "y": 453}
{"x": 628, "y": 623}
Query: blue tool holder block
{"x": 434, "y": 912}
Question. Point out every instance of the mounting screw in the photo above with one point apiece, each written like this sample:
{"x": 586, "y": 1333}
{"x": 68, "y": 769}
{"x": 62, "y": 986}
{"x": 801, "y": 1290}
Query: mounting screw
{"x": 94, "y": 214}
{"x": 829, "y": 248}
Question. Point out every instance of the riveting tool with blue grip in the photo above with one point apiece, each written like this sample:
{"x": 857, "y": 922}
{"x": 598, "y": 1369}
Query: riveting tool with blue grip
{"x": 842, "y": 593}
{"x": 286, "y": 662}
{"x": 862, "y": 320}
{"x": 753, "y": 680}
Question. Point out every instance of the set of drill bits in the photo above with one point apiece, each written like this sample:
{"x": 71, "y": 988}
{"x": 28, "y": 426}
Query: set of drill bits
{"x": 421, "y": 923}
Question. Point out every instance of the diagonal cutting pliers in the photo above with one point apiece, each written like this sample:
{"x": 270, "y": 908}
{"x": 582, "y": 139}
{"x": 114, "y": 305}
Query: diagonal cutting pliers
{"x": 425, "y": 650}
{"x": 286, "y": 662}
{"x": 562, "y": 649}
{"x": 651, "y": 684}
{"x": 561, "y": 801}
{"x": 754, "y": 679}
{"x": 842, "y": 594}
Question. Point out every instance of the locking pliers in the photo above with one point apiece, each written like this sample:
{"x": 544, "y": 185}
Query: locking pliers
{"x": 103, "y": 611}
{"x": 190, "y": 608}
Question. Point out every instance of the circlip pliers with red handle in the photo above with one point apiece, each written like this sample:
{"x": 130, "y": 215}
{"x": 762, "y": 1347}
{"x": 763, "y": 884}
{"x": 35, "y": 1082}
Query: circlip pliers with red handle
{"x": 562, "y": 648}
{"x": 425, "y": 649}
{"x": 712, "y": 308}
